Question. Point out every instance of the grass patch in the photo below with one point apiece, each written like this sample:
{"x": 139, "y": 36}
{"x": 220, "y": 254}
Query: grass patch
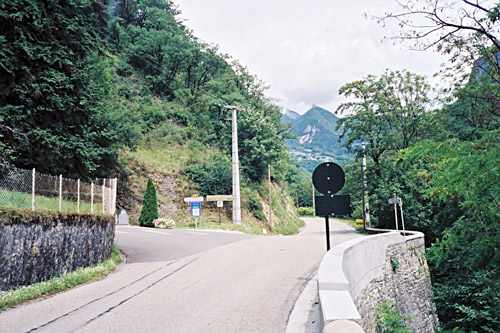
{"x": 289, "y": 223}
{"x": 20, "y": 200}
{"x": 210, "y": 221}
{"x": 58, "y": 284}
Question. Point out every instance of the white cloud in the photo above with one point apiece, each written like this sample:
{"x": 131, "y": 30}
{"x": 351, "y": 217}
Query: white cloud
{"x": 304, "y": 49}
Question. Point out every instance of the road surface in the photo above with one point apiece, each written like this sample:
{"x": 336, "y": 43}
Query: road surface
{"x": 189, "y": 281}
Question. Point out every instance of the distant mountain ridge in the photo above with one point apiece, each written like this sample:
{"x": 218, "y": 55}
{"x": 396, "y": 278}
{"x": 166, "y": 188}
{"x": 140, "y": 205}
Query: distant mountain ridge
{"x": 289, "y": 116}
{"x": 318, "y": 140}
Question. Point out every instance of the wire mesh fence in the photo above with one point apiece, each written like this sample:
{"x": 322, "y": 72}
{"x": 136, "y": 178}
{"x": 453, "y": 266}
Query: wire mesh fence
{"x": 28, "y": 189}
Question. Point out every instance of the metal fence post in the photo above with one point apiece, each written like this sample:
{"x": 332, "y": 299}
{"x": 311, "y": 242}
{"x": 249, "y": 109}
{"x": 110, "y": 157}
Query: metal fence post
{"x": 78, "y": 197}
{"x": 92, "y": 198}
{"x": 60, "y": 192}
{"x": 103, "y": 186}
{"x": 114, "y": 194}
{"x": 110, "y": 201}
{"x": 33, "y": 190}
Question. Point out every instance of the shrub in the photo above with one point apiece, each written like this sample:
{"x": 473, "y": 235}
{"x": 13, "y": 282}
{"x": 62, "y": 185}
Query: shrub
{"x": 389, "y": 320}
{"x": 213, "y": 177}
{"x": 306, "y": 211}
{"x": 254, "y": 205}
{"x": 149, "y": 210}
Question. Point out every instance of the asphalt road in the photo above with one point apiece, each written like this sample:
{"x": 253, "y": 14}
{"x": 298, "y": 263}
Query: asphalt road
{"x": 189, "y": 281}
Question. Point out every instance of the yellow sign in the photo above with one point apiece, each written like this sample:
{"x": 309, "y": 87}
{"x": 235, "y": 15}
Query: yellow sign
{"x": 219, "y": 198}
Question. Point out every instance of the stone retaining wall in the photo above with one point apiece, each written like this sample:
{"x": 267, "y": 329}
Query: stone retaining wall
{"x": 355, "y": 277}
{"x": 37, "y": 246}
{"x": 406, "y": 283}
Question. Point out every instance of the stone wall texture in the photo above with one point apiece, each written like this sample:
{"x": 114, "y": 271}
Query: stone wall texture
{"x": 37, "y": 246}
{"x": 405, "y": 282}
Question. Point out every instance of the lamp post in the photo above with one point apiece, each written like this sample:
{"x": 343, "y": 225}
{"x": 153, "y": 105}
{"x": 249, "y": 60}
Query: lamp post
{"x": 366, "y": 207}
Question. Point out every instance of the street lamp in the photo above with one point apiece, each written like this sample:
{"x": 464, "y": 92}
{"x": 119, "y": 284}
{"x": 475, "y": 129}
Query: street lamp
{"x": 366, "y": 207}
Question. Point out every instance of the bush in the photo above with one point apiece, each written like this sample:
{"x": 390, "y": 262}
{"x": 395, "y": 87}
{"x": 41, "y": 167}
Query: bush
{"x": 254, "y": 205}
{"x": 149, "y": 210}
{"x": 306, "y": 211}
{"x": 389, "y": 320}
{"x": 212, "y": 178}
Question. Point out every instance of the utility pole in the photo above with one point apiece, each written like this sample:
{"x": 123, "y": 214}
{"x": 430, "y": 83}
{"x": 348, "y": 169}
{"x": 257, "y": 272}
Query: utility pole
{"x": 314, "y": 202}
{"x": 270, "y": 197}
{"x": 236, "y": 163}
{"x": 236, "y": 170}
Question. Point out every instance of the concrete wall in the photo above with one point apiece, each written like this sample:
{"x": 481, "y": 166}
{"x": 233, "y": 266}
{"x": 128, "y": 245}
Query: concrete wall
{"x": 356, "y": 276}
{"x": 35, "y": 247}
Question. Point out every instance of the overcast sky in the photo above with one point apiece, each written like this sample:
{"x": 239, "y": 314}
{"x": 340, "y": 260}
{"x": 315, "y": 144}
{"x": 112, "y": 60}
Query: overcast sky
{"x": 305, "y": 49}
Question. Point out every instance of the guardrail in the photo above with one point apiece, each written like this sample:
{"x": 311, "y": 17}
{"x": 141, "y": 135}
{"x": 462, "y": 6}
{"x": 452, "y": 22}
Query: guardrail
{"x": 349, "y": 267}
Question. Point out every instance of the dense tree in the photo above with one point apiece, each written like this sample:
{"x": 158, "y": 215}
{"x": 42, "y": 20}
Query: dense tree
{"x": 302, "y": 193}
{"x": 51, "y": 113}
{"x": 442, "y": 23}
{"x": 149, "y": 210}
{"x": 465, "y": 262}
{"x": 213, "y": 175}
{"x": 180, "y": 68}
{"x": 388, "y": 113}
{"x": 467, "y": 31}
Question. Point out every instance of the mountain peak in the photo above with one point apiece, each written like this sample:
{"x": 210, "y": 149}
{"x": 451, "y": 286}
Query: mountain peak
{"x": 317, "y": 139}
{"x": 322, "y": 111}
{"x": 290, "y": 116}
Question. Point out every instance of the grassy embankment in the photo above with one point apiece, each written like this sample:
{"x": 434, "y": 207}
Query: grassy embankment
{"x": 163, "y": 155}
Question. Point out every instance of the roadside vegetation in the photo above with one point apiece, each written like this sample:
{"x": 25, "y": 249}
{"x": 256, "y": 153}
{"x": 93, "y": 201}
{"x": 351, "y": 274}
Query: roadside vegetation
{"x": 123, "y": 88}
{"x": 133, "y": 94}
{"x": 438, "y": 152}
{"x": 24, "y": 201}
{"x": 57, "y": 284}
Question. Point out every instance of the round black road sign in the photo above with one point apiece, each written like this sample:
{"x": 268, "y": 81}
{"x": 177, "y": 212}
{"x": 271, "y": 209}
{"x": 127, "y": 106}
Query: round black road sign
{"x": 328, "y": 178}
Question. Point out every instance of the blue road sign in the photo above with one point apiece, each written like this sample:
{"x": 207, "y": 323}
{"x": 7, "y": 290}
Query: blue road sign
{"x": 195, "y": 209}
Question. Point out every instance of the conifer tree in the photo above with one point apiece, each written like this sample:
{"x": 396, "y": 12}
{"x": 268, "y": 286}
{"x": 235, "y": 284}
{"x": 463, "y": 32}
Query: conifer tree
{"x": 149, "y": 210}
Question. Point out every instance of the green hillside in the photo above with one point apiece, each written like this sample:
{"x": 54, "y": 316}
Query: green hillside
{"x": 121, "y": 88}
{"x": 317, "y": 139}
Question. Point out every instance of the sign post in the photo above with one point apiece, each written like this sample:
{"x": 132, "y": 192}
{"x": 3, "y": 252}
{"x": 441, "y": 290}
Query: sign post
{"x": 195, "y": 207}
{"x": 402, "y": 218}
{"x": 394, "y": 201}
{"x": 196, "y": 212}
{"x": 329, "y": 178}
{"x": 220, "y": 202}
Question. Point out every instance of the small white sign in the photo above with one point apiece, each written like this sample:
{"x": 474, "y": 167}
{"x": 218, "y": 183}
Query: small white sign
{"x": 220, "y": 204}
{"x": 393, "y": 201}
{"x": 193, "y": 199}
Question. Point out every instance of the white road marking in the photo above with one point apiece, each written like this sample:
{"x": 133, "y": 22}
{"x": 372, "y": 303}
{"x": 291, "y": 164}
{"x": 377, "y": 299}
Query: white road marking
{"x": 158, "y": 232}
{"x": 196, "y": 233}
